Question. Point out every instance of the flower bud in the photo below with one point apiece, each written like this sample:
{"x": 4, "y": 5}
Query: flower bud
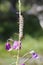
{"x": 7, "y": 46}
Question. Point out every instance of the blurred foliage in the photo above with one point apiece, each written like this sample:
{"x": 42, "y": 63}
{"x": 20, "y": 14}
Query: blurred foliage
{"x": 32, "y": 26}
{"x": 23, "y": 7}
{"x": 5, "y": 7}
{"x": 7, "y": 28}
{"x": 31, "y": 2}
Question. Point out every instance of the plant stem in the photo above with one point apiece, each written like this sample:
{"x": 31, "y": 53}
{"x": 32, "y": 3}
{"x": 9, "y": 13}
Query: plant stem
{"x": 17, "y": 62}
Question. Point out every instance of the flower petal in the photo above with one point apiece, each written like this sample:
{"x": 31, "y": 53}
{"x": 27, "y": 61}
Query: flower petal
{"x": 7, "y": 46}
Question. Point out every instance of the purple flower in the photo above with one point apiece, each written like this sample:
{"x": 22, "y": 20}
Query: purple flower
{"x": 7, "y": 46}
{"x": 17, "y": 45}
{"x": 22, "y": 64}
{"x": 34, "y": 55}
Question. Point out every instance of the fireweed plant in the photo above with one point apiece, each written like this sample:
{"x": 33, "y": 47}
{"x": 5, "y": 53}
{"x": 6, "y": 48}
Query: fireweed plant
{"x": 16, "y": 45}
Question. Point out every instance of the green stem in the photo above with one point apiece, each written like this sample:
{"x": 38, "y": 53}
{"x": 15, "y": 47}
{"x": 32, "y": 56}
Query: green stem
{"x": 17, "y": 62}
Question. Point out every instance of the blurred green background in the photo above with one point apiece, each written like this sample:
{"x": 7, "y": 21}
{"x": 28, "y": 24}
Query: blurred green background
{"x": 9, "y": 28}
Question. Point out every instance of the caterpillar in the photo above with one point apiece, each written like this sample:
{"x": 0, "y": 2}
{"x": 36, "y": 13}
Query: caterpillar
{"x": 21, "y": 26}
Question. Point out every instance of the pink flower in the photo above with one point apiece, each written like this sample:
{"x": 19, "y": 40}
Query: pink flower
{"x": 17, "y": 45}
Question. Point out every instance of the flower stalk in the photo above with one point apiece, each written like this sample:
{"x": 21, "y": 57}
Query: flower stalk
{"x": 17, "y": 62}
